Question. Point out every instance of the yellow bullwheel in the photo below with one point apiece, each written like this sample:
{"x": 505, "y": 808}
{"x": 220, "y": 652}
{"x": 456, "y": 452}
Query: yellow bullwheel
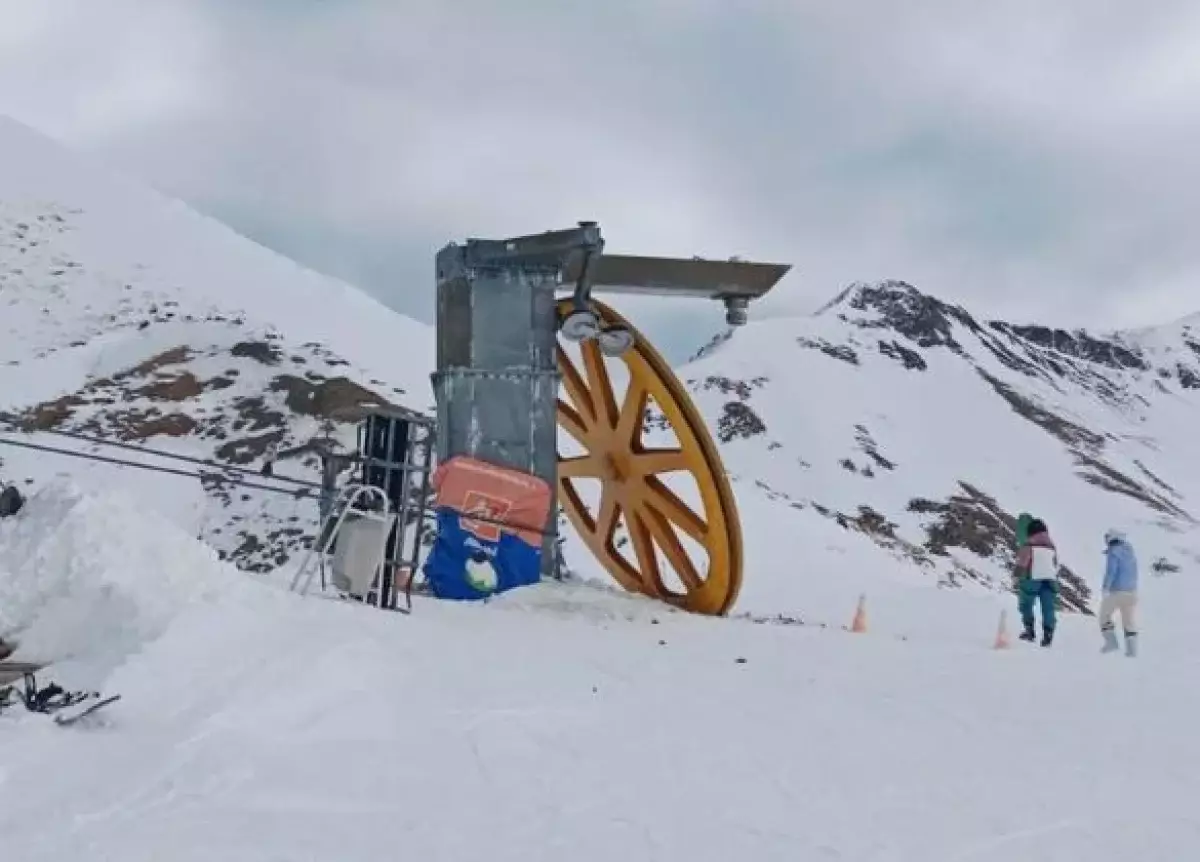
{"x": 661, "y": 515}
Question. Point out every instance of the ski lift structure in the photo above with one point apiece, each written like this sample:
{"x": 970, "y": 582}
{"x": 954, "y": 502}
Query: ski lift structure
{"x": 371, "y": 529}
{"x": 508, "y": 392}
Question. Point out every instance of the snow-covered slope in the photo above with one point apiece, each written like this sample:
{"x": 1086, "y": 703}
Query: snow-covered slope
{"x": 921, "y": 430}
{"x": 562, "y": 722}
{"x": 126, "y": 315}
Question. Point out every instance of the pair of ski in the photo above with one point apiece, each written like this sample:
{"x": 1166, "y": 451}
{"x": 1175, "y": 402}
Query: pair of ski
{"x": 65, "y": 707}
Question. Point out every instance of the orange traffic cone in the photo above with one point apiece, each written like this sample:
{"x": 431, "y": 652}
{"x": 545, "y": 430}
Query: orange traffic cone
{"x": 1002, "y": 641}
{"x": 860, "y": 616}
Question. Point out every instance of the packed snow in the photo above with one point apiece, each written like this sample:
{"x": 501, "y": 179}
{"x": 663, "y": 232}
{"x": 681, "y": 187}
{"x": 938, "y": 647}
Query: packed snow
{"x": 571, "y": 719}
{"x": 565, "y": 720}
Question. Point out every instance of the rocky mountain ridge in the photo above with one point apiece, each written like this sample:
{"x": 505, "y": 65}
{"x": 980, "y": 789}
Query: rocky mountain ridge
{"x": 1087, "y": 394}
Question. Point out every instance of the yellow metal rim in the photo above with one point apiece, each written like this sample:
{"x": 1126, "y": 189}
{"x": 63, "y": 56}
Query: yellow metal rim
{"x": 609, "y": 428}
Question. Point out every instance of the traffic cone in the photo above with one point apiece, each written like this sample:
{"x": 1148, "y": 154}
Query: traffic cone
{"x": 1002, "y": 641}
{"x": 859, "y": 626}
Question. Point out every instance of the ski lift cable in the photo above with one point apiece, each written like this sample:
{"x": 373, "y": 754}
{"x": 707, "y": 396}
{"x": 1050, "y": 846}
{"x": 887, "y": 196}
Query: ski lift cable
{"x": 121, "y": 462}
{"x": 5, "y": 419}
{"x": 304, "y": 491}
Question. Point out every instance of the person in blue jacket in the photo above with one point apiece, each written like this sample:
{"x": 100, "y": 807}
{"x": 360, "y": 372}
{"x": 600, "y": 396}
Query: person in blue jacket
{"x": 1119, "y": 592}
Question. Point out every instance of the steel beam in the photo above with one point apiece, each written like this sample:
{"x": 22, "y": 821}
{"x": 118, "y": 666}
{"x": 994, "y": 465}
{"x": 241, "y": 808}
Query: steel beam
{"x": 677, "y": 276}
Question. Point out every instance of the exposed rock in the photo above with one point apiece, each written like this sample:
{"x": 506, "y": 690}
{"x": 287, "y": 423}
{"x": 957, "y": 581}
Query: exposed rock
{"x": 138, "y": 425}
{"x": 1155, "y": 479}
{"x": 260, "y": 351}
{"x": 50, "y": 415}
{"x": 1163, "y": 566}
{"x": 178, "y": 387}
{"x": 902, "y": 308}
{"x": 837, "y": 351}
{"x": 246, "y": 450}
{"x": 879, "y": 529}
{"x": 738, "y": 420}
{"x": 870, "y": 448}
{"x": 175, "y": 356}
{"x": 975, "y": 522}
{"x": 1108, "y": 477}
{"x": 910, "y": 359}
{"x": 716, "y": 341}
{"x": 325, "y": 399}
{"x": 1080, "y": 345}
{"x": 1070, "y": 433}
{"x": 727, "y": 386}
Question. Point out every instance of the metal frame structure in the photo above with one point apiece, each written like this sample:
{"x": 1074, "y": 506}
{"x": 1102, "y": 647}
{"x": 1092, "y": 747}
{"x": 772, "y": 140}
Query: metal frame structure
{"x": 405, "y": 475}
{"x": 394, "y": 464}
{"x": 499, "y": 318}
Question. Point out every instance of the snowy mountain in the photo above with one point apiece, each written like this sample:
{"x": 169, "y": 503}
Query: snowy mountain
{"x": 911, "y": 423}
{"x": 127, "y": 316}
{"x": 888, "y": 427}
{"x": 881, "y": 447}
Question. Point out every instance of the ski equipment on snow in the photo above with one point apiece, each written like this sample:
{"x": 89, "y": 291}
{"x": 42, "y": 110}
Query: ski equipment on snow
{"x": 66, "y": 707}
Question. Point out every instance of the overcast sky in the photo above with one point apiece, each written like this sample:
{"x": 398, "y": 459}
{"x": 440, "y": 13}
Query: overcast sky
{"x": 1035, "y": 160}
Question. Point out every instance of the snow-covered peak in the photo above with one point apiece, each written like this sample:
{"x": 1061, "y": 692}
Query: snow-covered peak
{"x": 902, "y": 308}
{"x": 126, "y": 314}
{"x": 90, "y": 244}
{"x": 921, "y": 428}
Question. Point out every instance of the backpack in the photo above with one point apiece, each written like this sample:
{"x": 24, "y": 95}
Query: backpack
{"x": 11, "y": 501}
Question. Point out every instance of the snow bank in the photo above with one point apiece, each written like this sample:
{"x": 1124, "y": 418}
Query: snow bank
{"x": 91, "y": 576}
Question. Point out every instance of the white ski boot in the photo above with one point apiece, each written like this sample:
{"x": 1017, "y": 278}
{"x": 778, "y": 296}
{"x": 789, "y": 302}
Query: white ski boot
{"x": 1131, "y": 644}
{"x": 1110, "y": 641}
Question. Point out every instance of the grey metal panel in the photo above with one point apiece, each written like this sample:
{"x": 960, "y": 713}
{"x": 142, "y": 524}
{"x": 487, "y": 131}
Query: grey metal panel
{"x": 453, "y": 309}
{"x": 507, "y": 418}
{"x": 545, "y": 251}
{"x": 670, "y": 276}
{"x": 496, "y": 385}
{"x": 502, "y": 322}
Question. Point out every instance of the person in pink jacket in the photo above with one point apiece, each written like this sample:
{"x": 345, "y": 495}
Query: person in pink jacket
{"x": 1037, "y": 581}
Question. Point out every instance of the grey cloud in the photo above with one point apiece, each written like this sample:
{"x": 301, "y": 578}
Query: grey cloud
{"x": 1031, "y": 159}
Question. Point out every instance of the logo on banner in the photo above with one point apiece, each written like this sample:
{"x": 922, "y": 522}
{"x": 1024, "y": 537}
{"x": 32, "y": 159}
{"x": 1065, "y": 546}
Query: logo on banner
{"x": 484, "y": 506}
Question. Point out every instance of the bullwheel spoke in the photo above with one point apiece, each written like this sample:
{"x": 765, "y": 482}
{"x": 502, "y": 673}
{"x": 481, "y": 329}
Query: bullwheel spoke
{"x": 577, "y": 389}
{"x": 653, "y": 461}
{"x": 606, "y": 517}
{"x": 570, "y": 421}
{"x": 643, "y": 549}
{"x": 579, "y": 467}
{"x": 628, "y": 431}
{"x": 600, "y": 388}
{"x": 666, "y": 539}
{"x": 665, "y": 502}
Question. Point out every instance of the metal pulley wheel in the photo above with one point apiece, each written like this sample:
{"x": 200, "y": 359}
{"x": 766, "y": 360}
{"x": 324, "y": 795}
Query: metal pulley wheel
{"x": 610, "y": 426}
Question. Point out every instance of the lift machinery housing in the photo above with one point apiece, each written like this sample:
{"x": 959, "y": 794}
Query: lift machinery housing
{"x": 508, "y": 390}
